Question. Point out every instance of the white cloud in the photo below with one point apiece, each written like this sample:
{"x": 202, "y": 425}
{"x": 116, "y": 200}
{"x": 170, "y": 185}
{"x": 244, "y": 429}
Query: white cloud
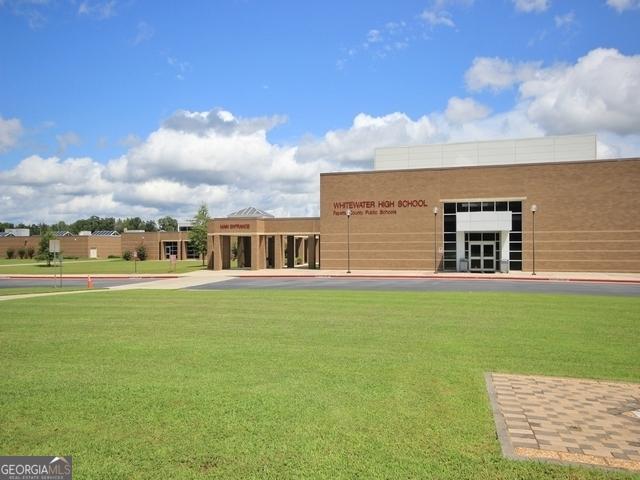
{"x": 599, "y": 92}
{"x": 464, "y": 110}
{"x": 436, "y": 17}
{"x": 130, "y": 141}
{"x": 144, "y": 32}
{"x": 566, "y": 20}
{"x": 97, "y": 9}
{"x": 10, "y": 132}
{"x": 180, "y": 67}
{"x": 66, "y": 140}
{"x": 528, "y": 6}
{"x": 622, "y": 5}
{"x": 229, "y": 162}
{"x": 497, "y": 74}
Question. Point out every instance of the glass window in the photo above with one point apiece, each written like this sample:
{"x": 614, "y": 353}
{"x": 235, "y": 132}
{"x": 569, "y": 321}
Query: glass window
{"x": 488, "y": 237}
{"x": 475, "y": 263}
{"x": 475, "y": 237}
{"x": 449, "y": 237}
{"x": 501, "y": 206}
{"x": 450, "y": 255}
{"x": 515, "y": 206}
{"x": 517, "y": 265}
{"x": 516, "y": 222}
{"x": 450, "y": 246}
{"x": 515, "y": 255}
{"x": 475, "y": 250}
{"x": 449, "y": 223}
{"x": 488, "y": 250}
{"x": 475, "y": 206}
{"x": 449, "y": 208}
{"x": 515, "y": 236}
{"x": 463, "y": 207}
{"x": 450, "y": 265}
{"x": 515, "y": 246}
{"x": 488, "y": 206}
{"x": 489, "y": 264}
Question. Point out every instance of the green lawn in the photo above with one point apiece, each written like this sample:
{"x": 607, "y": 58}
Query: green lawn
{"x": 284, "y": 384}
{"x": 97, "y": 266}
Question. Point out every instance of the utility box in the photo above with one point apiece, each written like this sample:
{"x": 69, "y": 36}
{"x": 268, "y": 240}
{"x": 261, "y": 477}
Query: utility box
{"x": 464, "y": 265}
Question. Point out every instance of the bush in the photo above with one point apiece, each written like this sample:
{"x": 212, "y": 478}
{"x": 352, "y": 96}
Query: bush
{"x": 127, "y": 255}
{"x": 22, "y": 252}
{"x": 31, "y": 251}
{"x": 10, "y": 253}
{"x": 142, "y": 252}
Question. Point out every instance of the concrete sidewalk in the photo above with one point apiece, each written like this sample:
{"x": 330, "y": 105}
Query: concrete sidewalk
{"x": 205, "y": 276}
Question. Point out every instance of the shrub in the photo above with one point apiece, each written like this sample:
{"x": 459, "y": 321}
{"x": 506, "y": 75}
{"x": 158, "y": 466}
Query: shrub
{"x": 10, "y": 253}
{"x": 31, "y": 251}
{"x": 298, "y": 260}
{"x": 127, "y": 255}
{"x": 142, "y": 252}
{"x": 22, "y": 252}
{"x": 114, "y": 256}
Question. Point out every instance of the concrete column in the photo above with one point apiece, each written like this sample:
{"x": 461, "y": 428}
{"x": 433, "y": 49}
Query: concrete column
{"x": 311, "y": 247}
{"x": 278, "y": 254}
{"x": 459, "y": 249}
{"x": 291, "y": 251}
{"x": 504, "y": 246}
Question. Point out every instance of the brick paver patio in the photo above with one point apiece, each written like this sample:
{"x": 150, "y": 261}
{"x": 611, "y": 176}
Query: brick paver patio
{"x": 567, "y": 420}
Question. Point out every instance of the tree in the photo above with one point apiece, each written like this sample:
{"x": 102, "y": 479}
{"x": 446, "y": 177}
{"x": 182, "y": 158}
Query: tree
{"x": 150, "y": 226}
{"x": 43, "y": 247}
{"x": 168, "y": 224}
{"x": 198, "y": 232}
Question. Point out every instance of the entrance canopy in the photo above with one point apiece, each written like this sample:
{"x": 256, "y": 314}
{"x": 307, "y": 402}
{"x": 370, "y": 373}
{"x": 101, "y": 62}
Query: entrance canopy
{"x": 483, "y": 222}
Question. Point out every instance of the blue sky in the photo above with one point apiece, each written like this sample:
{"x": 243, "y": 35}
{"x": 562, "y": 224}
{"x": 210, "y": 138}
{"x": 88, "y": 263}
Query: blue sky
{"x": 292, "y": 89}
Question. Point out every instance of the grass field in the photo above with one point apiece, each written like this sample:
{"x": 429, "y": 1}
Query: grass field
{"x": 97, "y": 266}
{"x": 282, "y": 384}
{"x": 24, "y": 290}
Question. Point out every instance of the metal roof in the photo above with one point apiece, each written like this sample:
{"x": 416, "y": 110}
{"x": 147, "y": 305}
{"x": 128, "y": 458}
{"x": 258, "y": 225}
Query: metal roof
{"x": 250, "y": 212}
{"x": 105, "y": 233}
{"x": 6, "y": 234}
{"x": 62, "y": 233}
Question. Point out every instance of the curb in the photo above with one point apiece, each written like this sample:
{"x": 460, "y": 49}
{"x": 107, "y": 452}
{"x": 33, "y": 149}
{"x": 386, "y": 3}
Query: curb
{"x": 447, "y": 277}
{"x": 84, "y": 277}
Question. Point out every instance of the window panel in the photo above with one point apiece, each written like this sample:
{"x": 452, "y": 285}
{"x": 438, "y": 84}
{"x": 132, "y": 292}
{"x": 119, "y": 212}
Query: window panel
{"x": 515, "y": 206}
{"x": 517, "y": 265}
{"x": 475, "y": 206}
{"x": 502, "y": 206}
{"x": 463, "y": 207}
{"x": 488, "y": 206}
{"x": 449, "y": 208}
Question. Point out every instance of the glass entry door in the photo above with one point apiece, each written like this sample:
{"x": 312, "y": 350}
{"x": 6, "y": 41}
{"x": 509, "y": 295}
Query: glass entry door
{"x": 482, "y": 257}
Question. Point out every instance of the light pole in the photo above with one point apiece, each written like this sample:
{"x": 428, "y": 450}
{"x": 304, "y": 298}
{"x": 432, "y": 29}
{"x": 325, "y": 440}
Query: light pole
{"x": 435, "y": 239}
{"x": 348, "y": 242}
{"x": 534, "y": 209}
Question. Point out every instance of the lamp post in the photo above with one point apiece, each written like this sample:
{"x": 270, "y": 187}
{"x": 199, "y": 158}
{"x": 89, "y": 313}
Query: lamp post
{"x": 534, "y": 209}
{"x": 435, "y": 239}
{"x": 348, "y": 242}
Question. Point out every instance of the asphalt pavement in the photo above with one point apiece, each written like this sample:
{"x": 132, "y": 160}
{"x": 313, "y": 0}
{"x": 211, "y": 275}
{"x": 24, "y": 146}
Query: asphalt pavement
{"x": 424, "y": 285}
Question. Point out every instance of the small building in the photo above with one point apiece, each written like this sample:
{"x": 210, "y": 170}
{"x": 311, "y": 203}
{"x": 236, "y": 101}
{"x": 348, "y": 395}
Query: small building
{"x": 254, "y": 239}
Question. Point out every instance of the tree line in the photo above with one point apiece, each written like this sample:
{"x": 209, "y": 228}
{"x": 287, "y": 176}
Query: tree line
{"x": 95, "y": 223}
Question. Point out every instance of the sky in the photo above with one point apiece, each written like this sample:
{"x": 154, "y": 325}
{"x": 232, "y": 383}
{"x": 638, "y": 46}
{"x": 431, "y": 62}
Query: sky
{"x": 150, "y": 108}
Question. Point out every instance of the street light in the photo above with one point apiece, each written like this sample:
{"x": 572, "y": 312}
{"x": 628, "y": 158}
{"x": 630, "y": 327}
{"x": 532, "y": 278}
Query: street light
{"x": 435, "y": 239}
{"x": 348, "y": 243}
{"x": 534, "y": 209}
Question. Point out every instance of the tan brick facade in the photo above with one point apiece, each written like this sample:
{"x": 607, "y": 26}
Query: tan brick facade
{"x": 587, "y": 218}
